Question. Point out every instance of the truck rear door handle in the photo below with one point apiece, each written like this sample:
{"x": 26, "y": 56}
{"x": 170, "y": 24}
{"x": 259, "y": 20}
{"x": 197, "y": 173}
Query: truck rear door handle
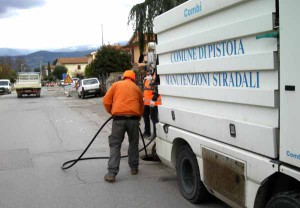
{"x": 290, "y": 88}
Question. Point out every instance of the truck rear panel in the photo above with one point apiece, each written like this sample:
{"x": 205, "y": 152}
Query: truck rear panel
{"x": 219, "y": 72}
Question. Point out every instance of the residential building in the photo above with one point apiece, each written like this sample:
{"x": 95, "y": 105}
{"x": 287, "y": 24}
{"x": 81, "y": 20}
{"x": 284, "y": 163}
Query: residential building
{"x": 76, "y": 66}
{"x": 133, "y": 46}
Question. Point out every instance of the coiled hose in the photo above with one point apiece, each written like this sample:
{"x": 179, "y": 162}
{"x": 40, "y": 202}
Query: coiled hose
{"x": 73, "y": 162}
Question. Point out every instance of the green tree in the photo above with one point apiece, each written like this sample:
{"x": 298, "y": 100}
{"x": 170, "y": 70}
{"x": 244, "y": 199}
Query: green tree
{"x": 49, "y": 67}
{"x": 36, "y": 69}
{"x": 109, "y": 59}
{"x": 13, "y": 76}
{"x": 7, "y": 73}
{"x": 58, "y": 71}
{"x": 142, "y": 16}
{"x": 88, "y": 71}
{"x": 50, "y": 78}
{"x": 6, "y": 69}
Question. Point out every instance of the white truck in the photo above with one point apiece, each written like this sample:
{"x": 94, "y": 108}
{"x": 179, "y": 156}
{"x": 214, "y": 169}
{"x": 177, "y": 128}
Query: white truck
{"x": 28, "y": 83}
{"x": 229, "y": 75}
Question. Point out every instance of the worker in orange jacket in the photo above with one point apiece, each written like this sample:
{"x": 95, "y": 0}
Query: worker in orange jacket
{"x": 154, "y": 103}
{"x": 124, "y": 101}
{"x": 148, "y": 94}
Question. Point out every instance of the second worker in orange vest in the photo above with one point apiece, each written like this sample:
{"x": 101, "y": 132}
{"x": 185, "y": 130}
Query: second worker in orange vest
{"x": 148, "y": 94}
{"x": 155, "y": 102}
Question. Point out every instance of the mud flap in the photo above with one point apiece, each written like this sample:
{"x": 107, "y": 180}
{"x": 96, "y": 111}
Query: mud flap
{"x": 224, "y": 175}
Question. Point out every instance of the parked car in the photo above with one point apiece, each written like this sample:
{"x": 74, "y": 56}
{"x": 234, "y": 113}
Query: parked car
{"x": 5, "y": 86}
{"x": 88, "y": 86}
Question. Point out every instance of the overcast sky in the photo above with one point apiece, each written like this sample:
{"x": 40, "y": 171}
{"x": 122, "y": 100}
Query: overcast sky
{"x": 50, "y": 24}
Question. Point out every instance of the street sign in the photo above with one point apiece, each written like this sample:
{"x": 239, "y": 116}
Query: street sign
{"x": 68, "y": 79}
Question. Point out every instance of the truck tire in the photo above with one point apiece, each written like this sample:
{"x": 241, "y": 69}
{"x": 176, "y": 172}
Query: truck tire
{"x": 290, "y": 199}
{"x": 82, "y": 94}
{"x": 188, "y": 176}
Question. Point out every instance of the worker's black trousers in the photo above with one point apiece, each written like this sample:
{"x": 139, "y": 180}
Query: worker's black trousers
{"x": 154, "y": 118}
{"x": 146, "y": 117}
{"x": 119, "y": 128}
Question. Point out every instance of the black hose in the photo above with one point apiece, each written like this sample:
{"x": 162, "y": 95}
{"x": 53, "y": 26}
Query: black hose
{"x": 73, "y": 162}
{"x": 143, "y": 141}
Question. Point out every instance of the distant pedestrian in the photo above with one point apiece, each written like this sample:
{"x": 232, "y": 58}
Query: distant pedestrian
{"x": 124, "y": 101}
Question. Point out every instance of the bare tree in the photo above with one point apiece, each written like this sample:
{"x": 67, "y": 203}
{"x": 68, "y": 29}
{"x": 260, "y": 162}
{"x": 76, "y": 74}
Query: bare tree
{"x": 20, "y": 64}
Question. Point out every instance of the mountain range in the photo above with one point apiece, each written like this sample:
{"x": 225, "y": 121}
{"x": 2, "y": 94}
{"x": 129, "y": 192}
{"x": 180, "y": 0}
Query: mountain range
{"x": 41, "y": 57}
{"x": 14, "y": 52}
{"x": 23, "y": 52}
{"x": 34, "y": 60}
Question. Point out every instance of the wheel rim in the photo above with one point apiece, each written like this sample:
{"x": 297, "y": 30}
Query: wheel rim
{"x": 187, "y": 177}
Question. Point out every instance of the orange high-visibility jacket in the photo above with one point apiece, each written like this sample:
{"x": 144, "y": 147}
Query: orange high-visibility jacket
{"x": 124, "y": 98}
{"x": 156, "y": 97}
{"x": 158, "y": 101}
{"x": 148, "y": 93}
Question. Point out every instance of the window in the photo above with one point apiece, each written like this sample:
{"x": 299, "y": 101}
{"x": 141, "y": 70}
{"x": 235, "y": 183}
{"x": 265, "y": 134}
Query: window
{"x": 28, "y": 77}
{"x": 79, "y": 67}
{"x": 90, "y": 81}
{"x": 3, "y": 83}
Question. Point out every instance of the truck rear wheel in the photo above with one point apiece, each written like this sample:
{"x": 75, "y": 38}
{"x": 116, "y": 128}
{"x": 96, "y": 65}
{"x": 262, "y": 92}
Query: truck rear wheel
{"x": 188, "y": 176}
{"x": 290, "y": 199}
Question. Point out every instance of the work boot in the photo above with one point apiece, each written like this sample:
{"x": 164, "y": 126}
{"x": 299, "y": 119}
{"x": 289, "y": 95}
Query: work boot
{"x": 110, "y": 177}
{"x": 134, "y": 171}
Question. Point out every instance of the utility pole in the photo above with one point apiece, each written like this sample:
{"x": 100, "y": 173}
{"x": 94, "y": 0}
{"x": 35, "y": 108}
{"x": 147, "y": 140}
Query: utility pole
{"x": 41, "y": 72}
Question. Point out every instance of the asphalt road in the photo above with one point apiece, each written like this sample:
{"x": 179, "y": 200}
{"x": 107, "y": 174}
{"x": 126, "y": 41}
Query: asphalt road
{"x": 37, "y": 135}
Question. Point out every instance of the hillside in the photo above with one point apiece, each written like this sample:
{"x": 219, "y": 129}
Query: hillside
{"x": 14, "y": 52}
{"x": 42, "y": 57}
{"x": 34, "y": 60}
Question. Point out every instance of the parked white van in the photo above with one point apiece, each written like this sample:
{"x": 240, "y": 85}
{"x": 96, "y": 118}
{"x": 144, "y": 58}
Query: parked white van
{"x": 88, "y": 86}
{"x": 5, "y": 86}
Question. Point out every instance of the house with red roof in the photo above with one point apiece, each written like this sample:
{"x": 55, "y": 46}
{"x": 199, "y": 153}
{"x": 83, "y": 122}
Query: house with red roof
{"x": 75, "y": 65}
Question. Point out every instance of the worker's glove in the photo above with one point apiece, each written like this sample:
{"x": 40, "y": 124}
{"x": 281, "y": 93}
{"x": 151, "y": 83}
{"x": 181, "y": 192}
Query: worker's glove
{"x": 152, "y": 103}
